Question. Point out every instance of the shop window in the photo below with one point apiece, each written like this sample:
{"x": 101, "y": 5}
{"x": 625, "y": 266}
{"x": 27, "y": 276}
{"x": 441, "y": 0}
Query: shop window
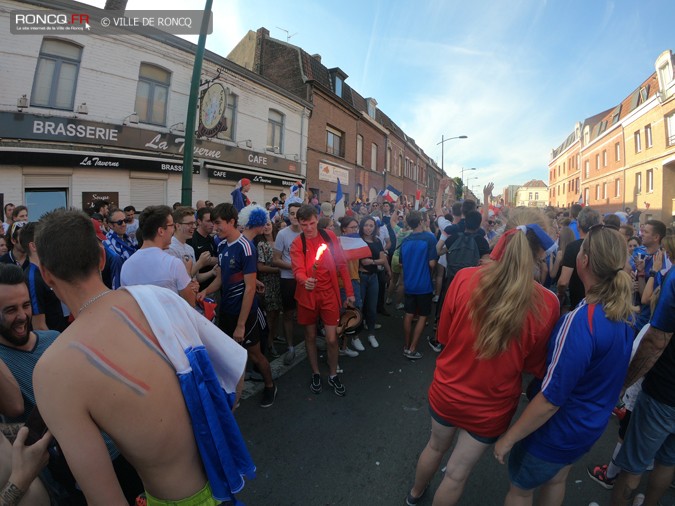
{"x": 43, "y": 200}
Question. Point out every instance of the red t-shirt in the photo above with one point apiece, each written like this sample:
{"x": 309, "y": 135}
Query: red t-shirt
{"x": 481, "y": 396}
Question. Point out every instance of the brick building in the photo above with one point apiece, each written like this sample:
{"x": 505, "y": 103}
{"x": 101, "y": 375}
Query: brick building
{"x": 349, "y": 137}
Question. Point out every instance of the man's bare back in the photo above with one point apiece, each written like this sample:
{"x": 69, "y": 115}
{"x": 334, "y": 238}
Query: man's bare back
{"x": 105, "y": 372}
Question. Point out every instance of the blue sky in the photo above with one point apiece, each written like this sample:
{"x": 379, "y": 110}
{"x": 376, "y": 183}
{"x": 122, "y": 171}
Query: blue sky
{"x": 512, "y": 75}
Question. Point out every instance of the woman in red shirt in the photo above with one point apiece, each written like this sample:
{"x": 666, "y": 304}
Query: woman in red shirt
{"x": 495, "y": 324}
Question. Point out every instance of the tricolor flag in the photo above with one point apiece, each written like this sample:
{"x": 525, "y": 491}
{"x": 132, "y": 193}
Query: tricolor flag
{"x": 418, "y": 196}
{"x": 339, "y": 211}
{"x": 391, "y": 194}
{"x": 354, "y": 247}
{"x": 581, "y": 200}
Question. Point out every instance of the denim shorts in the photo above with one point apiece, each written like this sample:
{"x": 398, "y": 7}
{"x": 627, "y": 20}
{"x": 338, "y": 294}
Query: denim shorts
{"x": 527, "y": 472}
{"x": 650, "y": 436}
{"x": 445, "y": 423}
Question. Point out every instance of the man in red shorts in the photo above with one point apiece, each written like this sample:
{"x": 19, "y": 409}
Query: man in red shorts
{"x": 317, "y": 292}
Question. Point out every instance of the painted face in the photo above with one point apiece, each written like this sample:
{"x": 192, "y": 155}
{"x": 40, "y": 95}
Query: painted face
{"x": 309, "y": 227}
{"x": 15, "y": 314}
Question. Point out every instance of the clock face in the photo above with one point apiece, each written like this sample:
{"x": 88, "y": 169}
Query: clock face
{"x": 213, "y": 106}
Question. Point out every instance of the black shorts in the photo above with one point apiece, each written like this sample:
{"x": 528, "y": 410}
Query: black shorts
{"x": 228, "y": 323}
{"x": 288, "y": 294}
{"x": 418, "y": 304}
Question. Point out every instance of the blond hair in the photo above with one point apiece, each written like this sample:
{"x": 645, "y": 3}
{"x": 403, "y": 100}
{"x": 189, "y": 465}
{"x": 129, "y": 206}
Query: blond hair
{"x": 504, "y": 297}
{"x": 606, "y": 252}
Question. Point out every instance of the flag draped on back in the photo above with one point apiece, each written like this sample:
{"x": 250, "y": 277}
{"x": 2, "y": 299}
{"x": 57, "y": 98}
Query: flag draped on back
{"x": 339, "y": 211}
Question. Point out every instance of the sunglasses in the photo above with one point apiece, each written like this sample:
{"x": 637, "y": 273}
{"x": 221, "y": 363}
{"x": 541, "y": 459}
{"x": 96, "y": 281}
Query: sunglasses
{"x": 118, "y": 222}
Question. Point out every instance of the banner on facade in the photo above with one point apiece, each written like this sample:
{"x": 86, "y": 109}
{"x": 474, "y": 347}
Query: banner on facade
{"x": 256, "y": 178}
{"x": 332, "y": 173}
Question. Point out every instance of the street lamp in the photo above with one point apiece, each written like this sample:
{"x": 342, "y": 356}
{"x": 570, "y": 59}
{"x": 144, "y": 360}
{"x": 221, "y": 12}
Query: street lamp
{"x": 442, "y": 143}
{"x": 463, "y": 170}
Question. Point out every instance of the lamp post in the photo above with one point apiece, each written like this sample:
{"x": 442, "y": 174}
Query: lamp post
{"x": 463, "y": 170}
{"x": 442, "y": 143}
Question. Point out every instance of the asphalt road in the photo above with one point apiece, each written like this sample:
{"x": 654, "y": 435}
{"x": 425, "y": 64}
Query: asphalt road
{"x": 361, "y": 449}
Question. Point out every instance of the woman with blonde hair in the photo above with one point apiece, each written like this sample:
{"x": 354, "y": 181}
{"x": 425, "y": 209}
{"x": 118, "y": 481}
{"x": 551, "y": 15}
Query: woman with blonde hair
{"x": 495, "y": 324}
{"x": 587, "y": 361}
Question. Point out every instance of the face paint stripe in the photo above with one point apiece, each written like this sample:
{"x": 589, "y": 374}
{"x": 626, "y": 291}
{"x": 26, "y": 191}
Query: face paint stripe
{"x": 102, "y": 363}
{"x": 136, "y": 328}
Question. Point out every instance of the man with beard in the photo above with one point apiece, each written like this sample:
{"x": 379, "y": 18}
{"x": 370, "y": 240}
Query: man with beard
{"x": 20, "y": 348}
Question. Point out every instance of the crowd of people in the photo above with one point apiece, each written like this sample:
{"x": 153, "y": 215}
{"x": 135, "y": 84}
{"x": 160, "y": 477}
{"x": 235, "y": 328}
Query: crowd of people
{"x": 581, "y": 305}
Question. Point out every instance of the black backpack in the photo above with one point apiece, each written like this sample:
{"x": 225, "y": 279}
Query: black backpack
{"x": 462, "y": 253}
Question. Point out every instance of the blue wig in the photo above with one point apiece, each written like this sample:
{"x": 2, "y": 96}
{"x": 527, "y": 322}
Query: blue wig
{"x": 253, "y": 216}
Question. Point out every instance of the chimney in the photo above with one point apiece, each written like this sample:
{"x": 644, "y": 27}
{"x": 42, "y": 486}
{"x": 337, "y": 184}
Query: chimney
{"x": 115, "y": 5}
{"x": 317, "y": 57}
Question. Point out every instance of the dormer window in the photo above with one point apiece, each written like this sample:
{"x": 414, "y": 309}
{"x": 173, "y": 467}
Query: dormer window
{"x": 338, "y": 86}
{"x": 372, "y": 107}
{"x": 664, "y": 70}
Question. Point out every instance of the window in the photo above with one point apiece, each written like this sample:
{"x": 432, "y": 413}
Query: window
{"x": 338, "y": 86}
{"x": 372, "y": 107}
{"x": 42, "y": 200}
{"x": 536, "y": 195}
{"x": 617, "y": 187}
{"x": 616, "y": 114}
{"x": 373, "y": 156}
{"x": 576, "y": 185}
{"x": 388, "y": 159}
{"x": 597, "y": 192}
{"x": 597, "y": 161}
{"x": 563, "y": 188}
{"x": 638, "y": 142}
{"x": 530, "y": 196}
{"x": 334, "y": 141}
{"x": 275, "y": 131}
{"x": 359, "y": 150}
{"x": 587, "y": 168}
{"x": 638, "y": 183}
{"x": 231, "y": 115}
{"x": 650, "y": 180}
{"x": 152, "y": 93}
{"x": 670, "y": 129}
{"x": 648, "y": 136}
{"x": 563, "y": 167}
{"x": 604, "y": 190}
{"x": 604, "y": 158}
{"x": 617, "y": 152}
{"x": 56, "y": 75}
{"x": 399, "y": 169}
{"x": 587, "y": 194}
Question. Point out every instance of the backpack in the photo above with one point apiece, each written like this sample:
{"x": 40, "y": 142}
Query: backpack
{"x": 462, "y": 253}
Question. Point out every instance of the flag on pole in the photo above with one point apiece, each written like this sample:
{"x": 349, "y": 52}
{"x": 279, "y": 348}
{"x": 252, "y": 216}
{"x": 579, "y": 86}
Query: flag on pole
{"x": 339, "y": 211}
{"x": 418, "y": 196}
{"x": 391, "y": 194}
{"x": 581, "y": 200}
{"x": 354, "y": 247}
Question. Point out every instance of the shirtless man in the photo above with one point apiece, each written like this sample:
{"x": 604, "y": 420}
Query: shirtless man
{"x": 102, "y": 374}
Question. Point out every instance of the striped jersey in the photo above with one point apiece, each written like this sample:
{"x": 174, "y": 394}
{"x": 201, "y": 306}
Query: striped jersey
{"x": 236, "y": 259}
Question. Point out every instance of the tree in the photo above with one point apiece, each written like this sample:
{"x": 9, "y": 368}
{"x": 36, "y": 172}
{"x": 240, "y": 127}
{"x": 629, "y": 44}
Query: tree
{"x": 459, "y": 188}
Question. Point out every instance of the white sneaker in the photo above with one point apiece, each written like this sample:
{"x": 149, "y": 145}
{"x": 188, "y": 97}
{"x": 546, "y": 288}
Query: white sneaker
{"x": 639, "y": 499}
{"x": 400, "y": 306}
{"x": 388, "y": 301}
{"x": 373, "y": 342}
{"x": 377, "y": 326}
{"x": 348, "y": 352}
{"x": 358, "y": 345}
{"x": 435, "y": 299}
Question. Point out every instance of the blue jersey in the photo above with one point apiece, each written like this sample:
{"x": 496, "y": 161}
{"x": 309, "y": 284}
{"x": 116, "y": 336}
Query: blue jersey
{"x": 416, "y": 251}
{"x": 660, "y": 380}
{"x": 236, "y": 259}
{"x": 587, "y": 362}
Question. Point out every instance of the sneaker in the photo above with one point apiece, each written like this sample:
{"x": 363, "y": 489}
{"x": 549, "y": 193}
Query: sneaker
{"x": 316, "y": 386}
{"x": 388, "y": 301}
{"x": 599, "y": 475}
{"x": 414, "y": 355}
{"x": 412, "y": 501}
{"x": 435, "y": 299}
{"x": 434, "y": 345}
{"x": 273, "y": 352}
{"x": 358, "y": 345}
{"x": 373, "y": 342}
{"x": 337, "y": 385}
{"x": 338, "y": 369}
{"x": 400, "y": 306}
{"x": 289, "y": 357}
{"x": 377, "y": 326}
{"x": 269, "y": 394}
{"x": 406, "y": 352}
{"x": 348, "y": 352}
{"x": 280, "y": 339}
{"x": 639, "y": 500}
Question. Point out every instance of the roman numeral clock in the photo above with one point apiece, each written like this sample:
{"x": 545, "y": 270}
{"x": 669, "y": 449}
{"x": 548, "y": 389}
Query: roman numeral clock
{"x": 212, "y": 109}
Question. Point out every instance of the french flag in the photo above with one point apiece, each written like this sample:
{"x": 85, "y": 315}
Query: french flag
{"x": 391, "y": 194}
{"x": 339, "y": 210}
{"x": 354, "y": 247}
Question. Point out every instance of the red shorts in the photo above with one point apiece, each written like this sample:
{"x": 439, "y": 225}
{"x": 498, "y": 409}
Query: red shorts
{"x": 327, "y": 308}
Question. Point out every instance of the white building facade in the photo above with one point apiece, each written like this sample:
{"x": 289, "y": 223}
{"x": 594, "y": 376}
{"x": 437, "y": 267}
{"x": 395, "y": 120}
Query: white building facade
{"x": 88, "y": 116}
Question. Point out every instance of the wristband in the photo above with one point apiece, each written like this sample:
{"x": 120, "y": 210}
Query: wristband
{"x": 652, "y": 274}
